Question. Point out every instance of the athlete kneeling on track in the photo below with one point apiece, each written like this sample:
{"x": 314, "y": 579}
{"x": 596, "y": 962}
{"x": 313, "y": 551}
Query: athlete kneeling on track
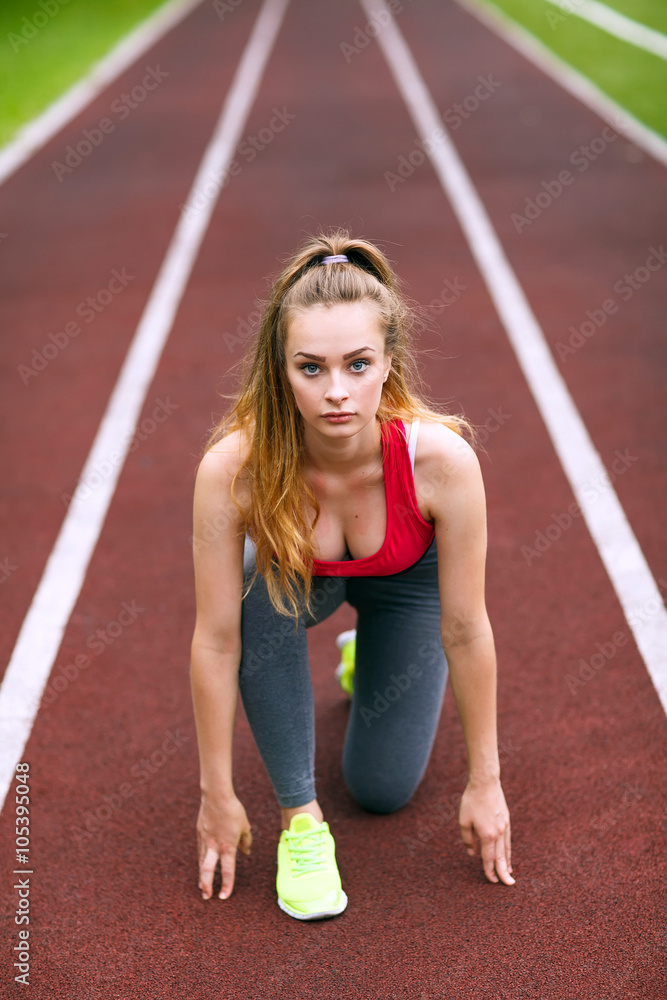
{"x": 331, "y": 480}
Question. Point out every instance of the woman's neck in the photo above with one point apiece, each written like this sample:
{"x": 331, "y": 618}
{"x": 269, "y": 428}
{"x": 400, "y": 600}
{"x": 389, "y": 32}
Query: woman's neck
{"x": 343, "y": 456}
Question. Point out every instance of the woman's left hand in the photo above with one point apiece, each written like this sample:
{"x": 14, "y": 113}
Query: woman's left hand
{"x": 484, "y": 818}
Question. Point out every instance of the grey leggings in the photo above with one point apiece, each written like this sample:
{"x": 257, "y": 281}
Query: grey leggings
{"x": 399, "y": 683}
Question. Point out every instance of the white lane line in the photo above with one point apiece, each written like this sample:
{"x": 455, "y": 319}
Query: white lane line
{"x": 41, "y": 129}
{"x": 615, "y": 23}
{"x": 44, "y": 625}
{"x": 568, "y": 78}
{"x": 619, "y": 550}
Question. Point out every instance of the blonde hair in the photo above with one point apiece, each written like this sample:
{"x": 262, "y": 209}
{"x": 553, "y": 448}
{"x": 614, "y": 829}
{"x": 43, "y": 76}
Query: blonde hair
{"x": 279, "y": 519}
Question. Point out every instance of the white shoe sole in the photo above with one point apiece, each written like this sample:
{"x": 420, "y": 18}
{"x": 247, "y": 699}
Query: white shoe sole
{"x": 314, "y": 916}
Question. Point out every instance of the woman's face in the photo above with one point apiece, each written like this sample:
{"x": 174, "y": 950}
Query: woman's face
{"x": 336, "y": 365}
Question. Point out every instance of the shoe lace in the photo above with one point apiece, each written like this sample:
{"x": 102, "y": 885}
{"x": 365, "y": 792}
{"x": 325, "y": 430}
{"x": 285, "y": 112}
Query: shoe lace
{"x": 307, "y": 851}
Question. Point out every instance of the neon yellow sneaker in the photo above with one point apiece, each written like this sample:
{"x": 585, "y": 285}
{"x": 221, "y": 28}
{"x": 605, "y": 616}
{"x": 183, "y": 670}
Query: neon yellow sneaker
{"x": 347, "y": 643}
{"x": 308, "y": 882}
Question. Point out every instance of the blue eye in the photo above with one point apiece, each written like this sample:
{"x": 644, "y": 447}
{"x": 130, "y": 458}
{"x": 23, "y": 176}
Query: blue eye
{"x": 310, "y": 368}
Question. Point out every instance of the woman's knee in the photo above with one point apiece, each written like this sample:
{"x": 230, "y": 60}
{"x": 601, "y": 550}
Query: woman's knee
{"x": 375, "y": 796}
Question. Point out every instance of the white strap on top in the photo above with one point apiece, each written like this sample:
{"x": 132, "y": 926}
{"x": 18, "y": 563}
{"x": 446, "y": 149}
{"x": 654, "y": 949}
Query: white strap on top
{"x": 412, "y": 441}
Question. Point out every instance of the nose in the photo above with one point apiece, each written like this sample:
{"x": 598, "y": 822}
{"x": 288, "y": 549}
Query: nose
{"x": 336, "y": 391}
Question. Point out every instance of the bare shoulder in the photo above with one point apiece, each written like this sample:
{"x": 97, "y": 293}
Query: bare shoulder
{"x": 224, "y": 459}
{"x": 446, "y": 467}
{"x": 439, "y": 446}
{"x": 217, "y": 470}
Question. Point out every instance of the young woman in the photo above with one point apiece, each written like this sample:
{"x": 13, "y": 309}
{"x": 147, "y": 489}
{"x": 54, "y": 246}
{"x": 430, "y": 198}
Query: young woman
{"x": 332, "y": 480}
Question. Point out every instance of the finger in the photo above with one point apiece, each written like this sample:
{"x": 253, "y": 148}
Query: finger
{"x": 468, "y": 838}
{"x": 508, "y": 847}
{"x": 501, "y": 864}
{"x": 228, "y": 869}
{"x": 489, "y": 859}
{"x": 206, "y": 873}
{"x": 245, "y": 842}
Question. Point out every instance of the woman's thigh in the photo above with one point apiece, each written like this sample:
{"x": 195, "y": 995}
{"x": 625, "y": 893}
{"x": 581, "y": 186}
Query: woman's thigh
{"x": 400, "y": 678}
{"x": 275, "y": 683}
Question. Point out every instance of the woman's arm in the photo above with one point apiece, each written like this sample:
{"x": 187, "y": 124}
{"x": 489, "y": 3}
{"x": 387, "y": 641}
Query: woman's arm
{"x": 218, "y": 535}
{"x": 458, "y": 507}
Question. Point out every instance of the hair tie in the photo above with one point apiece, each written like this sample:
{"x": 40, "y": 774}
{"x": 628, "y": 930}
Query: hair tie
{"x": 338, "y": 258}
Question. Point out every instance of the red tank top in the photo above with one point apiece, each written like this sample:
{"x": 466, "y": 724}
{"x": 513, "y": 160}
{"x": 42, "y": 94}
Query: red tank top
{"x": 408, "y": 535}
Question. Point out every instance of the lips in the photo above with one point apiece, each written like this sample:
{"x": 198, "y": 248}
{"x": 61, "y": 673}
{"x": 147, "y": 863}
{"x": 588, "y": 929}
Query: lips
{"x": 338, "y": 417}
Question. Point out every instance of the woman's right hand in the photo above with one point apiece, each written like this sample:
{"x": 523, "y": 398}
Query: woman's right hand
{"x": 222, "y": 827}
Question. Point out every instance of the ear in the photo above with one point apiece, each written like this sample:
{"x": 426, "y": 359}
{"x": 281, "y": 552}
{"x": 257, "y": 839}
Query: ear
{"x": 387, "y": 359}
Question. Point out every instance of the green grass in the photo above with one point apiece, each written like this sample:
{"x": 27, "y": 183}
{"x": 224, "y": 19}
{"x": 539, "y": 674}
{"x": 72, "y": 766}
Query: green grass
{"x": 633, "y": 78}
{"x": 35, "y": 71}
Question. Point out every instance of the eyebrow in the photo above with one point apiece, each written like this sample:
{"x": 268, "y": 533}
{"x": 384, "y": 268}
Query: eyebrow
{"x": 317, "y": 357}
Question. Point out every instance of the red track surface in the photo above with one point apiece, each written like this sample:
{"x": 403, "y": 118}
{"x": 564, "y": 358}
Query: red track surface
{"x": 116, "y": 912}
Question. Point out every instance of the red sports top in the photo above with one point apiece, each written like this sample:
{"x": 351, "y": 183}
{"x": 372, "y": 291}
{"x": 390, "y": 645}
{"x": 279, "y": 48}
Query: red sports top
{"x": 408, "y": 535}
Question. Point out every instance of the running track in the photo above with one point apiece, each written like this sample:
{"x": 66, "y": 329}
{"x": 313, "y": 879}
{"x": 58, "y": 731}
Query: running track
{"x": 115, "y": 911}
